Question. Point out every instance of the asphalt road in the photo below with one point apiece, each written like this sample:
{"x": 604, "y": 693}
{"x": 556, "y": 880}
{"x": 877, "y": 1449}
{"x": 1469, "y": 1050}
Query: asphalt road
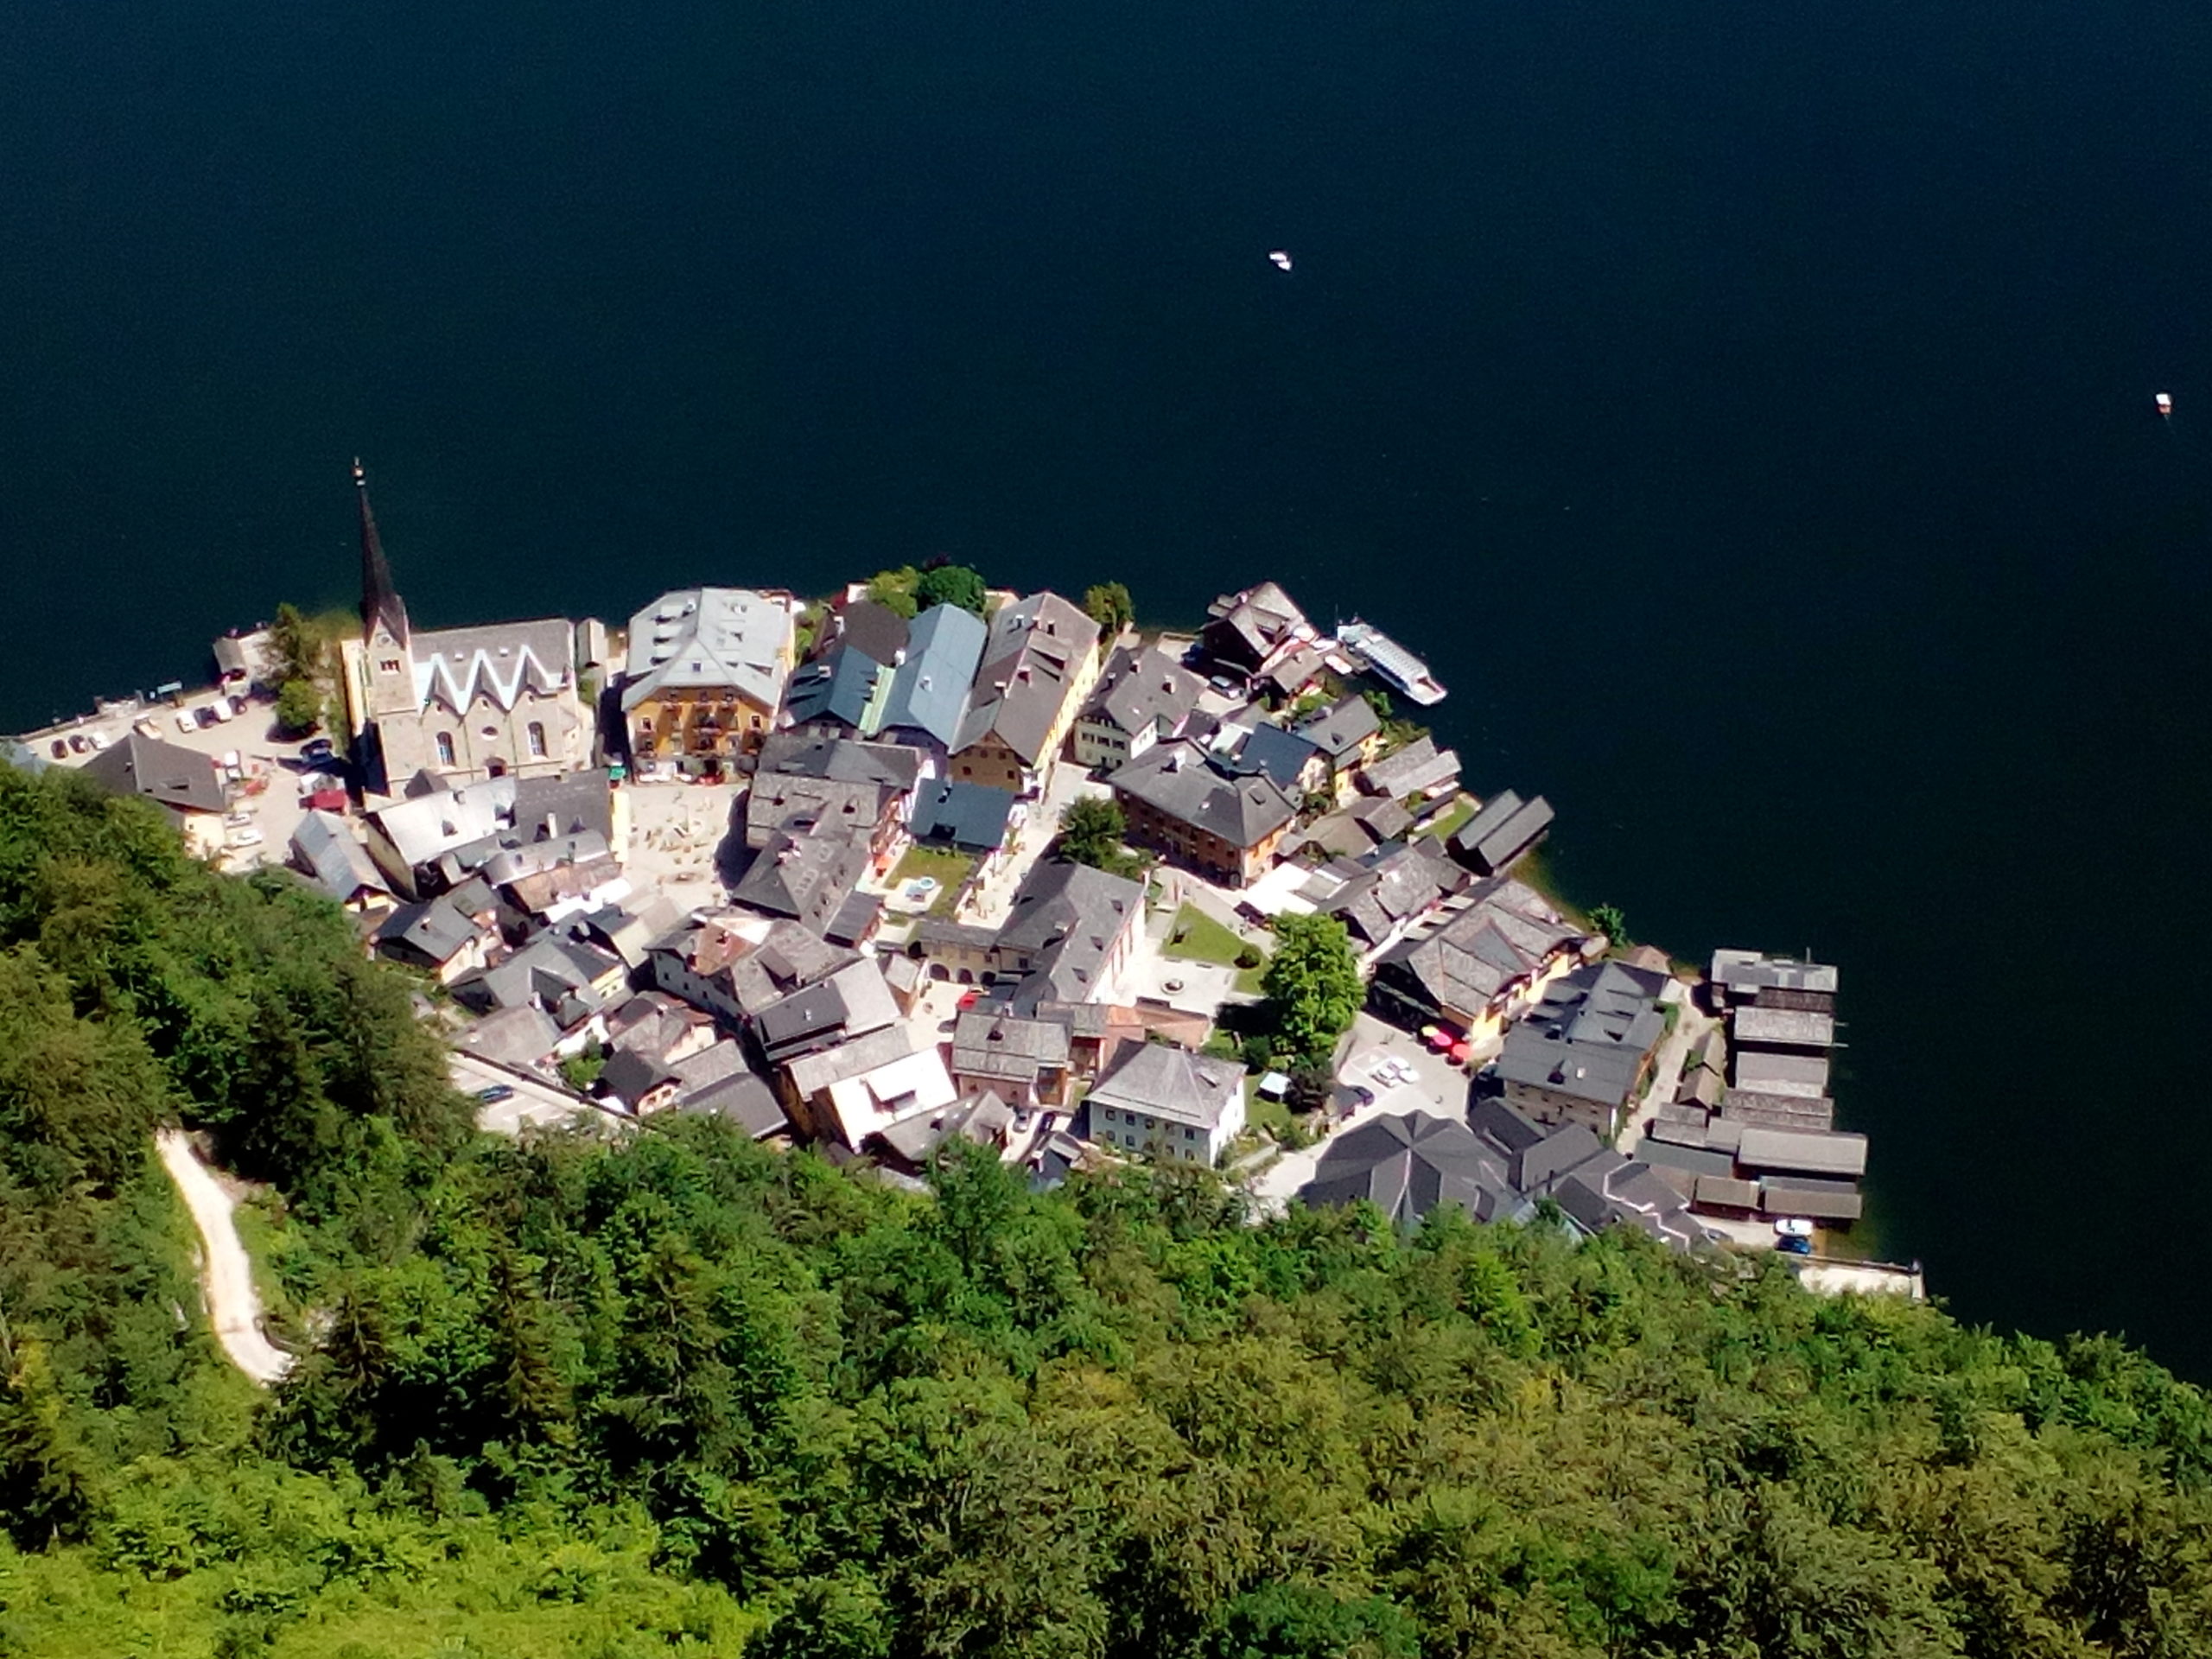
{"x": 532, "y": 1103}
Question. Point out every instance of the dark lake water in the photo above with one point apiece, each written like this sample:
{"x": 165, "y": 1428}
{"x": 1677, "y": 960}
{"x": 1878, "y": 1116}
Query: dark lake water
{"x": 1746, "y": 410}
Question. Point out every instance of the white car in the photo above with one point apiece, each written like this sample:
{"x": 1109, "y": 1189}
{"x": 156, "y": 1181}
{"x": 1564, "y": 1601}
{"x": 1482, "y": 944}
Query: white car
{"x": 185, "y": 722}
{"x": 1794, "y": 1227}
{"x": 247, "y": 836}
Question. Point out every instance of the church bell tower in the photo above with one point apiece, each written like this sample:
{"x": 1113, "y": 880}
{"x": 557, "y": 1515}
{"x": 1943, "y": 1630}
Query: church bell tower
{"x": 387, "y": 661}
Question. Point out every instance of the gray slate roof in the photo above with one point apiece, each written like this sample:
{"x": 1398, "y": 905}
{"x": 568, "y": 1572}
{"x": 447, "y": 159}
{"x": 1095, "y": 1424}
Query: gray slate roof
{"x": 1589, "y": 1035}
{"x": 499, "y": 661}
{"x": 1143, "y": 690}
{"x": 837, "y": 686}
{"x": 435, "y": 930}
{"x": 873, "y": 628}
{"x": 1504, "y": 935}
{"x": 970, "y": 817}
{"x": 1408, "y": 1165}
{"x": 1170, "y": 1082}
{"x": 1181, "y": 781}
{"x": 341, "y": 866}
{"x": 985, "y": 1044}
{"x": 1395, "y": 886}
{"x": 1745, "y": 973}
{"x": 1419, "y": 768}
{"x": 1836, "y": 1154}
{"x": 709, "y": 636}
{"x": 167, "y": 773}
{"x": 1276, "y": 754}
{"x": 1337, "y": 732}
{"x": 1505, "y": 827}
{"x": 1066, "y": 916}
{"x": 1036, "y": 647}
{"x": 843, "y": 759}
{"x": 929, "y": 691}
{"x": 806, "y": 878}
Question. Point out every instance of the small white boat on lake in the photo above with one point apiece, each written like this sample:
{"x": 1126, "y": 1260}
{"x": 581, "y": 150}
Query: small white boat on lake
{"x": 1279, "y": 259}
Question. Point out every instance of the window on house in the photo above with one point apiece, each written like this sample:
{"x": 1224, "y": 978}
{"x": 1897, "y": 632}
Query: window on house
{"x": 537, "y": 739}
{"x": 445, "y": 748}
{"x": 389, "y": 665}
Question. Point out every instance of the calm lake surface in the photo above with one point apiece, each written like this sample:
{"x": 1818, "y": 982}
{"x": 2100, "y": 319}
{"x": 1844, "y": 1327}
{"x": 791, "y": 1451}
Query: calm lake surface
{"x": 1747, "y": 413}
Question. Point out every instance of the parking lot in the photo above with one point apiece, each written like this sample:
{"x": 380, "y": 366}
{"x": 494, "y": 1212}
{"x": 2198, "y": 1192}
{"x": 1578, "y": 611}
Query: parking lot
{"x": 269, "y": 778}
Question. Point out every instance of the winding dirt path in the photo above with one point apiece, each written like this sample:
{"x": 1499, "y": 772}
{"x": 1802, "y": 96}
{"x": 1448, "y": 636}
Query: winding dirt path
{"x": 225, "y": 1276}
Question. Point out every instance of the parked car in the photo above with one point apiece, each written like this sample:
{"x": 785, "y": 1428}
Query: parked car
{"x": 185, "y": 721}
{"x": 496, "y": 1093}
{"x": 98, "y": 740}
{"x": 237, "y": 705}
{"x": 77, "y": 742}
{"x": 318, "y": 752}
{"x": 60, "y": 750}
{"x": 1794, "y": 1227}
{"x": 247, "y": 836}
{"x": 1790, "y": 1245}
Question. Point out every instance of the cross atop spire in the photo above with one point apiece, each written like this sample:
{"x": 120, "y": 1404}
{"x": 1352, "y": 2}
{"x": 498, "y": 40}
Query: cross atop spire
{"x": 379, "y": 599}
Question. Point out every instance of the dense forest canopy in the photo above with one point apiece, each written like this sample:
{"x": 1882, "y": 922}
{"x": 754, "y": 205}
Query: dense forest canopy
{"x": 680, "y": 1392}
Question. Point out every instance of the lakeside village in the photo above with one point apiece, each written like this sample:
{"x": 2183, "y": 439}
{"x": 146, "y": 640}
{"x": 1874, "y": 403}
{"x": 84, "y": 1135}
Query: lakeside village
{"x": 871, "y": 873}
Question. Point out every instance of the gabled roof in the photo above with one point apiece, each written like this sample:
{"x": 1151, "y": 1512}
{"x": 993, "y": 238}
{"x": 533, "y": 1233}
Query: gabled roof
{"x": 872, "y": 627}
{"x": 990, "y": 1044}
{"x": 1742, "y": 973}
{"x": 1171, "y": 1083}
{"x": 1589, "y": 1036}
{"x": 1067, "y": 917}
{"x": 849, "y": 1003}
{"x": 498, "y": 661}
{"x": 1505, "y": 827}
{"x": 1337, "y": 732}
{"x": 840, "y": 685}
{"x": 1275, "y": 754}
{"x": 929, "y": 690}
{"x": 435, "y": 930}
{"x": 517, "y": 1036}
{"x": 843, "y": 759}
{"x": 710, "y": 638}
{"x": 1395, "y": 886}
{"x": 806, "y": 878}
{"x": 1505, "y": 935}
{"x": 789, "y": 804}
{"x": 574, "y": 803}
{"x": 1796, "y": 1027}
{"x": 1419, "y": 768}
{"x": 182, "y": 780}
{"x": 1143, "y": 690}
{"x": 1797, "y": 1151}
{"x": 1037, "y": 649}
{"x": 1180, "y": 780}
{"x": 340, "y": 865}
{"x": 742, "y": 1098}
{"x": 423, "y": 828}
{"x": 970, "y": 817}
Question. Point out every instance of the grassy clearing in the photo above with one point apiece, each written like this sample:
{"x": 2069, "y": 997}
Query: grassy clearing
{"x": 1446, "y": 824}
{"x": 949, "y": 870}
{"x": 1196, "y": 937}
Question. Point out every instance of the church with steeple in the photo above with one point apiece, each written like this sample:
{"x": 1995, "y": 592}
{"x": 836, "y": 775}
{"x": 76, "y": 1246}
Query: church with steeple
{"x": 458, "y": 703}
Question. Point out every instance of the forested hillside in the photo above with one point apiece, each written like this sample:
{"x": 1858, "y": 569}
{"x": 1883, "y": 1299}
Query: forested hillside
{"x": 685, "y": 1395}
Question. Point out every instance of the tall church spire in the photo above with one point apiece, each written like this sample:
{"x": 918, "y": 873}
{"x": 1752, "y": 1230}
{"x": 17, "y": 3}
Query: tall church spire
{"x": 379, "y": 599}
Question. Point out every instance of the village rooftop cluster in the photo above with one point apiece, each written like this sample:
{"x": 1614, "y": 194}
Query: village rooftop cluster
{"x": 792, "y": 864}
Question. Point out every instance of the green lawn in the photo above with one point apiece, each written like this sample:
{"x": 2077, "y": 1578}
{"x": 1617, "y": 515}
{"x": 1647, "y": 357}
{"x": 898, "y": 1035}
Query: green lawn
{"x": 1196, "y": 937}
{"x": 1446, "y": 824}
{"x": 949, "y": 870}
